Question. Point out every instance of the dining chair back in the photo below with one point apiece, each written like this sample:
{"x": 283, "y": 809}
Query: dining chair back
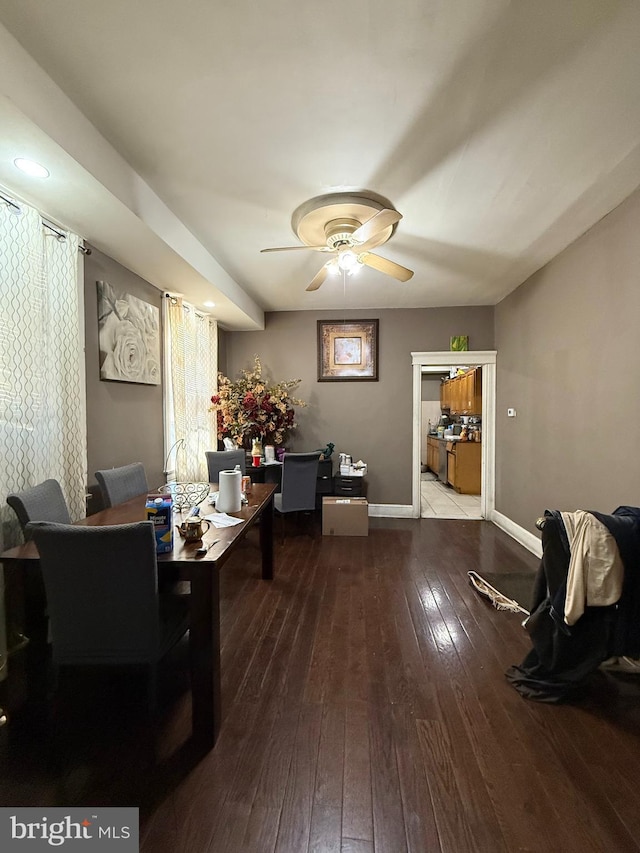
{"x": 224, "y": 460}
{"x": 102, "y": 594}
{"x": 44, "y": 502}
{"x": 299, "y": 482}
{"x": 118, "y": 485}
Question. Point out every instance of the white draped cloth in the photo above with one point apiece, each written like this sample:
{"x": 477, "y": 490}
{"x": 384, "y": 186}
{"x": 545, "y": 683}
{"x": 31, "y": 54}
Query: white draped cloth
{"x": 596, "y": 571}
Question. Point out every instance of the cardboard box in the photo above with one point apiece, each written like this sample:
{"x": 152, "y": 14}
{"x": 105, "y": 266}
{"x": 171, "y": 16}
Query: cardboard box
{"x": 159, "y": 510}
{"x": 345, "y": 517}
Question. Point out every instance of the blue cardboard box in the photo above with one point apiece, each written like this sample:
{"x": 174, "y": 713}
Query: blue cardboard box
{"x": 160, "y": 512}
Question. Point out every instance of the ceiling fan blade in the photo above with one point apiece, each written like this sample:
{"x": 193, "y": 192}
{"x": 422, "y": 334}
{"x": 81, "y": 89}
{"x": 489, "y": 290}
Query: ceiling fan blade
{"x": 385, "y": 266}
{"x": 378, "y": 222}
{"x": 296, "y": 248}
{"x": 321, "y": 275}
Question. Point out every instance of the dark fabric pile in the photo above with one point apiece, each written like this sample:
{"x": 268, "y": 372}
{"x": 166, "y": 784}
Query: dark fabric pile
{"x": 564, "y": 656}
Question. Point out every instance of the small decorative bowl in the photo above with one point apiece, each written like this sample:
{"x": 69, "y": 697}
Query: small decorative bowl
{"x": 186, "y": 495}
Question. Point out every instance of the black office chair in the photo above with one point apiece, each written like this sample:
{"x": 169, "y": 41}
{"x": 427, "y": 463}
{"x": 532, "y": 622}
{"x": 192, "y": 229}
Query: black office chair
{"x": 299, "y": 482}
{"x": 44, "y": 502}
{"x": 118, "y": 485}
{"x": 224, "y": 460}
{"x": 102, "y": 593}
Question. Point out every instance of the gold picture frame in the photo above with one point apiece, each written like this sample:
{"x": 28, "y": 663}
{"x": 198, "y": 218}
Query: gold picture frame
{"x": 347, "y": 350}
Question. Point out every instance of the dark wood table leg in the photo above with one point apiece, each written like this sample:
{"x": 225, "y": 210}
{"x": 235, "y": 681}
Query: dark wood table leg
{"x": 204, "y": 646}
{"x": 266, "y": 540}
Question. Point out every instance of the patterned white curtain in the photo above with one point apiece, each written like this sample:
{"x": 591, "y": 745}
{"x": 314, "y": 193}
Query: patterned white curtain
{"x": 191, "y": 378}
{"x": 42, "y": 387}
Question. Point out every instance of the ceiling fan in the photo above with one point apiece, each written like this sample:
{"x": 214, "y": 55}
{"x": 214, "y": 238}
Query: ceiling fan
{"x": 347, "y": 225}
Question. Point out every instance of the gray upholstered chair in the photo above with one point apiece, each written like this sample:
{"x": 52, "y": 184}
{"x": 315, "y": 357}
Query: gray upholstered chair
{"x": 44, "y": 502}
{"x": 299, "y": 482}
{"x": 102, "y": 594}
{"x": 224, "y": 460}
{"x": 118, "y": 485}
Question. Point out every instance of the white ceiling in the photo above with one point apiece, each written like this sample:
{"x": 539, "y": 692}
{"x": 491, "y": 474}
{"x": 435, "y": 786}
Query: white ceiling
{"x": 182, "y": 136}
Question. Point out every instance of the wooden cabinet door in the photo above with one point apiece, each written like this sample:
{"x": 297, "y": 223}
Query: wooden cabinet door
{"x": 456, "y": 399}
{"x": 451, "y": 469}
{"x": 470, "y": 393}
{"x": 465, "y": 465}
{"x": 444, "y": 395}
{"x": 477, "y": 392}
{"x": 432, "y": 455}
{"x": 464, "y": 394}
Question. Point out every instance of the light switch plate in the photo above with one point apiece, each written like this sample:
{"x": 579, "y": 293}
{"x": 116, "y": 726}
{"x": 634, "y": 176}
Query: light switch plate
{"x": 511, "y": 413}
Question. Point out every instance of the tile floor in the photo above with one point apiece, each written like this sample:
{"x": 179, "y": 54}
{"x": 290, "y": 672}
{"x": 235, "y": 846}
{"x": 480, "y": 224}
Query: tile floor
{"x": 440, "y": 501}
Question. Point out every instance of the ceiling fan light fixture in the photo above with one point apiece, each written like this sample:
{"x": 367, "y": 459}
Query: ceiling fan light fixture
{"x": 347, "y": 225}
{"x": 348, "y": 261}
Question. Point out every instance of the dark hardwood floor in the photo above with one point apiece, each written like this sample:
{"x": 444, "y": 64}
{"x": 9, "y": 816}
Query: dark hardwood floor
{"x": 365, "y": 709}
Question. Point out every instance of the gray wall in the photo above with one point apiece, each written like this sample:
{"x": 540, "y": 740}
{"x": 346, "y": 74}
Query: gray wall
{"x": 431, "y": 385}
{"x": 567, "y": 343}
{"x": 370, "y": 420}
{"x": 124, "y": 421}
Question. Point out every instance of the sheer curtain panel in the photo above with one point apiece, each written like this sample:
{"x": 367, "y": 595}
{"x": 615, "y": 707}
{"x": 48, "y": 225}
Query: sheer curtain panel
{"x": 42, "y": 379}
{"x": 191, "y": 378}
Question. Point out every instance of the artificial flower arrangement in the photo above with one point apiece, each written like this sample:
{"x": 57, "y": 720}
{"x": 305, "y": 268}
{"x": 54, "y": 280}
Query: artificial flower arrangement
{"x": 250, "y": 408}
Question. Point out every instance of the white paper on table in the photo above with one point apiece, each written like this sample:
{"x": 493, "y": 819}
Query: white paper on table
{"x": 221, "y": 519}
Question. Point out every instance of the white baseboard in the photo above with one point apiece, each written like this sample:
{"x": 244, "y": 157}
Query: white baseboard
{"x": 526, "y": 539}
{"x": 391, "y": 510}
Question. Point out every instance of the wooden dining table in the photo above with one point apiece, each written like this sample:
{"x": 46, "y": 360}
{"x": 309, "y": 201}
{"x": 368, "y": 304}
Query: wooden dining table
{"x": 203, "y": 573}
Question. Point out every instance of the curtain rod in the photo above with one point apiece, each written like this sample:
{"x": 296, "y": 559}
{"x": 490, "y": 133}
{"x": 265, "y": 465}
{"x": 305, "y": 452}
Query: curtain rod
{"x": 60, "y": 234}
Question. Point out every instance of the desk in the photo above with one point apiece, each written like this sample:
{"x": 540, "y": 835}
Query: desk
{"x": 273, "y": 474}
{"x": 204, "y": 576}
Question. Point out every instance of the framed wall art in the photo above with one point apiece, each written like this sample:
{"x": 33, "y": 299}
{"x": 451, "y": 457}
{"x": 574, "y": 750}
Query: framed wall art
{"x": 128, "y": 337}
{"x": 459, "y": 343}
{"x": 347, "y": 350}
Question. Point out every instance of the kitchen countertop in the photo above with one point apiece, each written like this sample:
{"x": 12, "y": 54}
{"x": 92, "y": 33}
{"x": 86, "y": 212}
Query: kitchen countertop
{"x": 455, "y": 439}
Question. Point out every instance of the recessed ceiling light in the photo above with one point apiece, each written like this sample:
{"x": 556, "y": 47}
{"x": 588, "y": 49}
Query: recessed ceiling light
{"x": 30, "y": 167}
{"x": 209, "y": 304}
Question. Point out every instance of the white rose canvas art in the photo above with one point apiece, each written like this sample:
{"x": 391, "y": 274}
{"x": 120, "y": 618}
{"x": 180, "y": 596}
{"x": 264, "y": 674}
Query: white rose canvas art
{"x": 128, "y": 337}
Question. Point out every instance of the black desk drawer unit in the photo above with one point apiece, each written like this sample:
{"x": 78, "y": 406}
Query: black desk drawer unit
{"x": 348, "y": 486}
{"x": 324, "y": 484}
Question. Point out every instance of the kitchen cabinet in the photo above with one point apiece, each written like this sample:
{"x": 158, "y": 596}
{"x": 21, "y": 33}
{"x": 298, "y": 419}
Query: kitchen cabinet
{"x": 471, "y": 398}
{"x": 444, "y": 395}
{"x": 433, "y": 450}
{"x": 464, "y": 466}
{"x": 462, "y": 395}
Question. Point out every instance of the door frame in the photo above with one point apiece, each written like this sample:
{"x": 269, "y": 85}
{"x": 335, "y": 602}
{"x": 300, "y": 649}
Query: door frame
{"x": 487, "y": 360}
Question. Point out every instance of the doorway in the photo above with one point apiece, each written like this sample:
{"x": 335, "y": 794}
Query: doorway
{"x": 444, "y": 360}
